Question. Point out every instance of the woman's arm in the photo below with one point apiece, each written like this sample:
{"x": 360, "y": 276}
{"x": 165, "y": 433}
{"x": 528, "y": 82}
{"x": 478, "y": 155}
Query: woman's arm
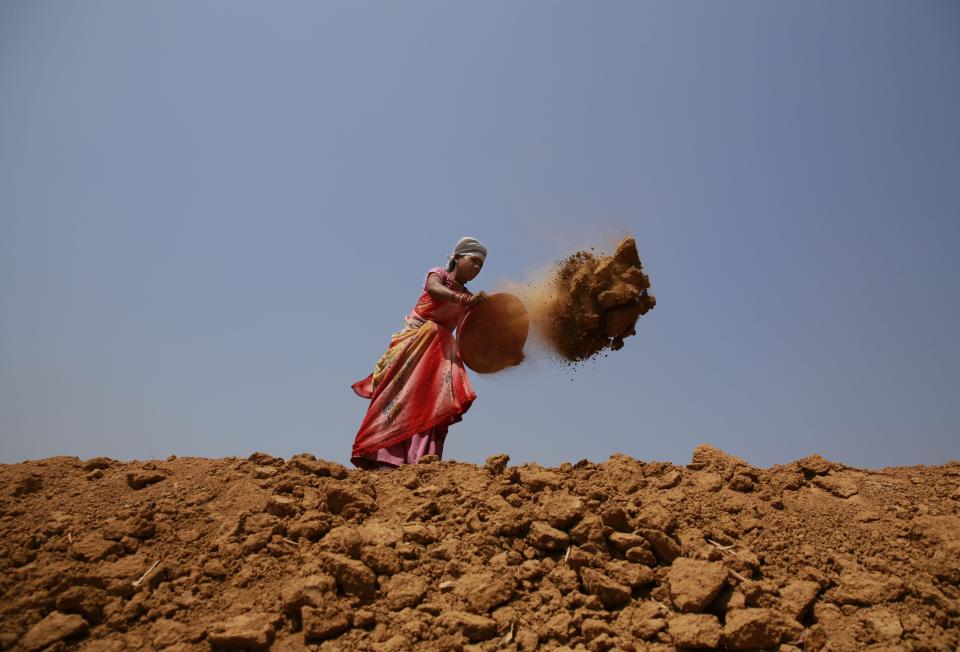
{"x": 441, "y": 292}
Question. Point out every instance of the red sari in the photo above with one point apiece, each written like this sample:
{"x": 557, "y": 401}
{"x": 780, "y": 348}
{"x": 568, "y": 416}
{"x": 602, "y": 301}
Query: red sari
{"x": 418, "y": 387}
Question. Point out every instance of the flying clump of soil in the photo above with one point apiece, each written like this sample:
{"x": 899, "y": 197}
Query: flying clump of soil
{"x": 592, "y": 302}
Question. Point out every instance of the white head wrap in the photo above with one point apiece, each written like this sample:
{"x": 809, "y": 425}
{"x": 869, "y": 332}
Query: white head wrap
{"x": 469, "y": 246}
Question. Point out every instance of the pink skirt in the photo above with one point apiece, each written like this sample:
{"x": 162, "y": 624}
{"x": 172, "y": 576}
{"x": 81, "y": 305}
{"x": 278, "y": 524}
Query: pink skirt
{"x": 408, "y": 451}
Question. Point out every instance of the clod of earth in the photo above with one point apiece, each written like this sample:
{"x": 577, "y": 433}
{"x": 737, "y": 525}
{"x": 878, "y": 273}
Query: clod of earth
{"x": 592, "y": 302}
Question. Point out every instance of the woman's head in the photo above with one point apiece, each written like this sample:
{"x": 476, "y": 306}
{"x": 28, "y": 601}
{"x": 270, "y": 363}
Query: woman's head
{"x": 467, "y": 258}
{"x": 466, "y": 267}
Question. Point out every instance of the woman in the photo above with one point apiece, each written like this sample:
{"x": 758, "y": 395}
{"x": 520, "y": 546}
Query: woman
{"x": 419, "y": 386}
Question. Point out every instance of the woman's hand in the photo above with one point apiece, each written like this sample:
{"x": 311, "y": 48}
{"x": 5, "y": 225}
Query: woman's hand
{"x": 479, "y": 297}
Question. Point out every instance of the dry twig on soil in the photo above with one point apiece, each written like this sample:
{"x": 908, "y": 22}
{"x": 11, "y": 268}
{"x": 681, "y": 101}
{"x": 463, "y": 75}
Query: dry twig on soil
{"x": 144, "y": 576}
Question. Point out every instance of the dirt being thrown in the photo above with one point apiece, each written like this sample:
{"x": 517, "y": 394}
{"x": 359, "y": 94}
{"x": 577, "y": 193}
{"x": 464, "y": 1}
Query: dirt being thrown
{"x": 591, "y": 302}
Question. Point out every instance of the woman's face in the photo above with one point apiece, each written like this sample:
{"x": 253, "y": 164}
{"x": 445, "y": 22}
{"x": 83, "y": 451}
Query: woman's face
{"x": 468, "y": 267}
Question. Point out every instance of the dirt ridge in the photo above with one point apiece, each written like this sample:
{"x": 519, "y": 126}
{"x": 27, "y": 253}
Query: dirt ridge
{"x": 267, "y": 553}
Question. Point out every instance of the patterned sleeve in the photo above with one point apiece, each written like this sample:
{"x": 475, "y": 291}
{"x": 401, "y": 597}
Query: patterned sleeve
{"x": 439, "y": 271}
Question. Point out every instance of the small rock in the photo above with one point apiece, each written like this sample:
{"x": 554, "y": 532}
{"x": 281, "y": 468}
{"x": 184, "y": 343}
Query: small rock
{"x": 139, "y": 528}
{"x": 562, "y": 509}
{"x": 85, "y": 600}
{"x": 527, "y": 640}
{"x": 814, "y": 465}
{"x": 260, "y": 522}
{"x": 577, "y": 558}
{"x": 189, "y": 535}
{"x": 347, "y": 500}
{"x": 309, "y": 529}
{"x": 742, "y": 483}
{"x": 353, "y": 577}
{"x": 748, "y": 629}
{"x": 709, "y": 481}
{"x": 641, "y": 555}
{"x": 694, "y": 544}
{"x": 264, "y": 472}
{"x": 632, "y": 575}
{"x": 565, "y": 579}
{"x": 384, "y": 560}
{"x": 669, "y": 480}
{"x": 105, "y": 645}
{"x": 405, "y": 590}
{"x": 758, "y": 593}
{"x": 862, "y": 588}
{"x": 612, "y": 594}
{"x": 252, "y": 631}
{"x": 22, "y": 556}
{"x": 531, "y": 569}
{"x": 695, "y": 631}
{"x": 664, "y": 547}
{"x": 485, "y": 591}
{"x": 474, "y": 627}
{"x": 97, "y": 463}
{"x": 141, "y": 479}
{"x": 589, "y": 529}
{"x": 616, "y": 516}
{"x": 419, "y": 533}
{"x": 837, "y": 485}
{"x": 545, "y": 537}
{"x": 557, "y": 627}
{"x": 695, "y": 583}
{"x": 214, "y": 568}
{"x": 591, "y": 628}
{"x": 708, "y": 458}
{"x": 537, "y": 480}
{"x": 264, "y": 459}
{"x": 364, "y": 618}
{"x": 310, "y": 464}
{"x": 797, "y": 597}
{"x": 641, "y": 619}
{"x": 166, "y": 632}
{"x": 509, "y": 523}
{"x": 126, "y": 568}
{"x": 496, "y": 463}
{"x": 55, "y": 627}
{"x": 311, "y": 591}
{"x": 28, "y": 485}
{"x": 323, "y": 623}
{"x": 396, "y": 643}
{"x": 657, "y": 517}
{"x": 422, "y": 511}
{"x": 255, "y": 542}
{"x": 283, "y": 506}
{"x": 93, "y": 547}
{"x": 883, "y": 624}
{"x": 623, "y": 541}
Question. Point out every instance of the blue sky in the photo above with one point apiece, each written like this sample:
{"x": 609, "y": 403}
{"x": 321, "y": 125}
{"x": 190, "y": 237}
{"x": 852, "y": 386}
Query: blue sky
{"x": 214, "y": 214}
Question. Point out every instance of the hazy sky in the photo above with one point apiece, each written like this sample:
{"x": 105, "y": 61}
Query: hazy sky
{"x": 214, "y": 214}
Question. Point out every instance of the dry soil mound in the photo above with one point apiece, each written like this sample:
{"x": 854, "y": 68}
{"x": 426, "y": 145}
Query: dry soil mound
{"x": 193, "y": 554}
